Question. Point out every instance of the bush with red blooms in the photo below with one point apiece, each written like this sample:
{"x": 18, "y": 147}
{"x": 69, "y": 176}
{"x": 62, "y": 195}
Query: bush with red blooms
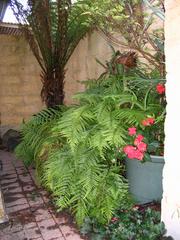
{"x": 147, "y": 136}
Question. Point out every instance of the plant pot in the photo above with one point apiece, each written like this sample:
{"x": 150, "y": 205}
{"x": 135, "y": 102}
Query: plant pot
{"x": 145, "y": 179}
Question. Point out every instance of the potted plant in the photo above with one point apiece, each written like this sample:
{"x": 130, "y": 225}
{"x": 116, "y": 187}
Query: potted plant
{"x": 144, "y": 154}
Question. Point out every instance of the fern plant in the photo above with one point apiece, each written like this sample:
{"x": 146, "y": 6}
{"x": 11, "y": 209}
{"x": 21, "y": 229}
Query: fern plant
{"x": 35, "y": 133}
{"x": 77, "y": 153}
{"x": 85, "y": 174}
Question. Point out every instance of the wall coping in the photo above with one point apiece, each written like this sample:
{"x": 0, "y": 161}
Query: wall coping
{"x": 10, "y": 29}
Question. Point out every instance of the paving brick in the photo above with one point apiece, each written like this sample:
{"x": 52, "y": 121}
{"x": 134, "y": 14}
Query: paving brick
{"x": 9, "y": 172}
{"x": 18, "y": 202}
{"x": 21, "y": 235}
{"x": 17, "y": 163}
{"x": 34, "y": 199}
{"x": 17, "y": 208}
{"x": 6, "y": 236}
{"x": 70, "y": 233}
{"x": 8, "y": 167}
{"x": 29, "y": 188}
{"x": 10, "y": 185}
{"x": 14, "y": 190}
{"x": 33, "y": 232}
{"x": 49, "y": 229}
{"x": 6, "y": 180}
{"x": 41, "y": 213}
{"x": 25, "y": 178}
{"x": 15, "y": 227}
{"x": 31, "y": 214}
{"x": 21, "y": 170}
{"x": 30, "y": 225}
{"x": 9, "y": 176}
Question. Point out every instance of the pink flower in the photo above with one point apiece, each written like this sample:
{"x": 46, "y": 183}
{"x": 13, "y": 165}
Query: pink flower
{"x": 129, "y": 149}
{"x": 148, "y": 121}
{"x": 132, "y": 155}
{"x": 142, "y": 147}
{"x": 138, "y": 139}
{"x": 138, "y": 155}
{"x": 132, "y": 131}
{"x": 160, "y": 88}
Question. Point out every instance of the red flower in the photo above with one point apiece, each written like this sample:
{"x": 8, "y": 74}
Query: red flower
{"x": 138, "y": 139}
{"x": 133, "y": 152}
{"x": 160, "y": 88}
{"x": 132, "y": 131}
{"x": 114, "y": 219}
{"x": 142, "y": 147}
{"x": 148, "y": 121}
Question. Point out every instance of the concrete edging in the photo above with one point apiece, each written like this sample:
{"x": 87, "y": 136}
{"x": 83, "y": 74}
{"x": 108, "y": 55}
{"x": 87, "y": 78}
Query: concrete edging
{"x": 3, "y": 215}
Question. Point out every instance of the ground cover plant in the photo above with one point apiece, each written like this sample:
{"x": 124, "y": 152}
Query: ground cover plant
{"x": 141, "y": 222}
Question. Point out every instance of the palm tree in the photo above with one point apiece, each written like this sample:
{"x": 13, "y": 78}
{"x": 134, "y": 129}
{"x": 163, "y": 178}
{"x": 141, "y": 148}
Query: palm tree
{"x": 53, "y": 29}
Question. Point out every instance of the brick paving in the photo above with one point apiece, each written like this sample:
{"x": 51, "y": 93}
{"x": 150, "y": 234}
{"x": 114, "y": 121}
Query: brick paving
{"x": 30, "y": 211}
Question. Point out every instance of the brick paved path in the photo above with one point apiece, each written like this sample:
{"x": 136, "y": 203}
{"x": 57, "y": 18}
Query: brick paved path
{"x": 31, "y": 215}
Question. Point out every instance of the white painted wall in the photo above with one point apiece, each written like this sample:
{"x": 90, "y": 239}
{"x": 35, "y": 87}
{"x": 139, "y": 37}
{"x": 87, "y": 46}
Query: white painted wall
{"x": 171, "y": 174}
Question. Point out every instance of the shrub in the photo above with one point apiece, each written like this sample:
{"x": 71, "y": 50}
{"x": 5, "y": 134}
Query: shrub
{"x": 131, "y": 224}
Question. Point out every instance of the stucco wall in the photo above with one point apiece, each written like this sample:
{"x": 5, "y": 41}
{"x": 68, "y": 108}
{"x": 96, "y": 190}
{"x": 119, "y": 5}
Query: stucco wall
{"x": 171, "y": 174}
{"x": 20, "y": 83}
{"x": 82, "y": 64}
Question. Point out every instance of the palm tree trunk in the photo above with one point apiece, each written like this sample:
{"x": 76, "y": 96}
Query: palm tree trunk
{"x": 52, "y": 91}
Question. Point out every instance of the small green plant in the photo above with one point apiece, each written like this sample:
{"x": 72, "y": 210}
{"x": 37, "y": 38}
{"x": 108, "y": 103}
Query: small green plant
{"x": 128, "y": 224}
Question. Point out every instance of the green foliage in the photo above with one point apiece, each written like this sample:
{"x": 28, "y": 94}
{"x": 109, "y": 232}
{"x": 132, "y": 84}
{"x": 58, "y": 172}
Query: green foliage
{"x": 81, "y": 181}
{"x": 53, "y": 29}
{"x": 127, "y": 225}
{"x": 35, "y": 133}
{"x": 77, "y": 154}
{"x": 130, "y": 24}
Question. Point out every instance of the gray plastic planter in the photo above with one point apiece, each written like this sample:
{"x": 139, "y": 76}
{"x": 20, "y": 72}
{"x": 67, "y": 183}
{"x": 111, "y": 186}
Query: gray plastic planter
{"x": 145, "y": 179}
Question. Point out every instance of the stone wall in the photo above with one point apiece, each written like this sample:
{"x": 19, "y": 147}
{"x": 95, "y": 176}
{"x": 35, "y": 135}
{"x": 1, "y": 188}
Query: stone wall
{"x": 20, "y": 76}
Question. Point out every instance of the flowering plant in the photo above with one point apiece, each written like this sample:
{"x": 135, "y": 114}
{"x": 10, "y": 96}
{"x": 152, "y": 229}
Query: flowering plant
{"x": 147, "y": 137}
